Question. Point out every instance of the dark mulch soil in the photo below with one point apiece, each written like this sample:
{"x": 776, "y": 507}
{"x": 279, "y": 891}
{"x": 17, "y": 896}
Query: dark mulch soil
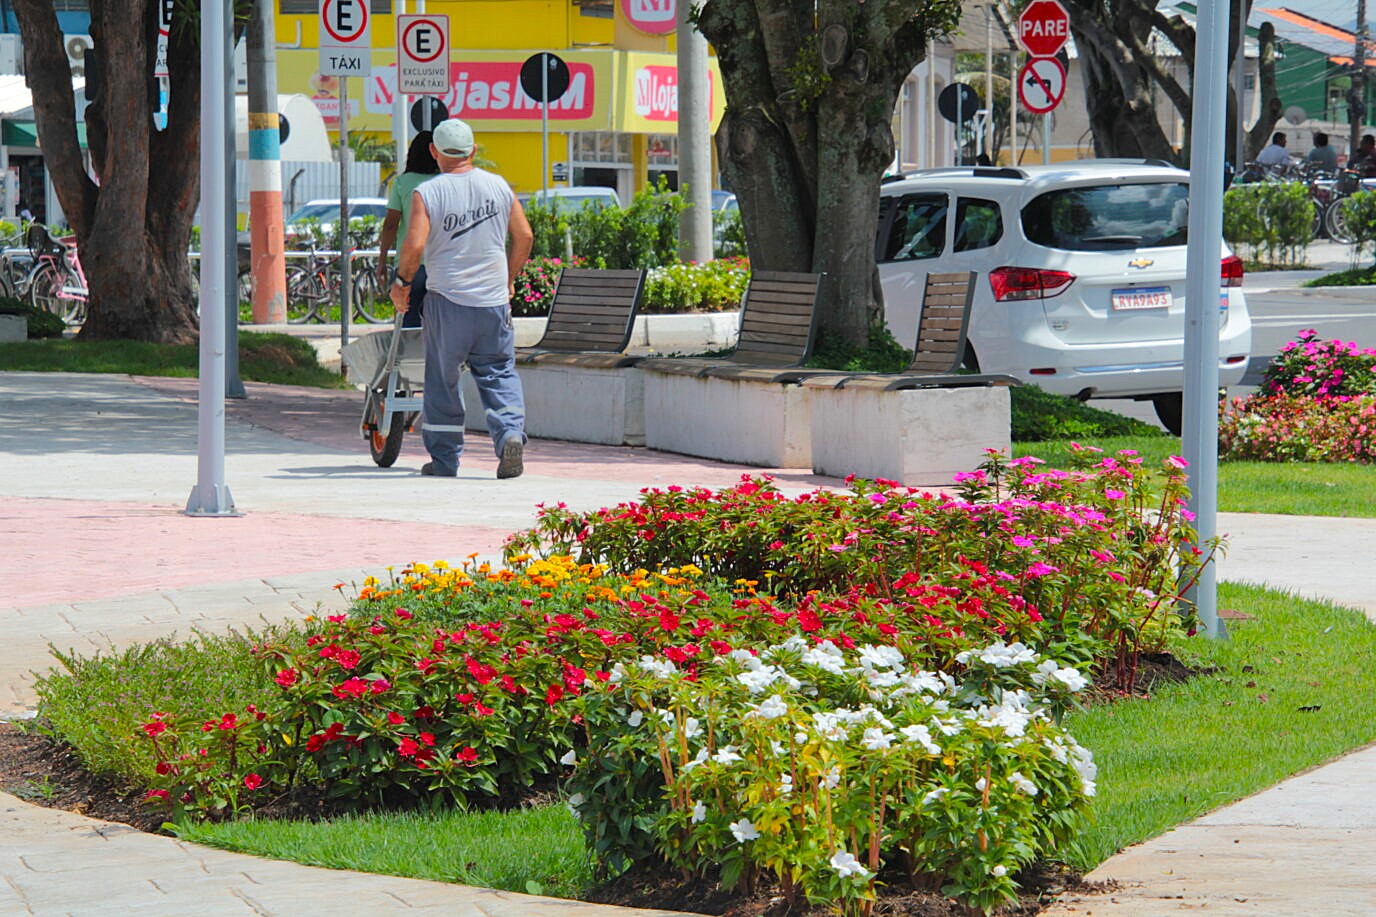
{"x": 655, "y": 889}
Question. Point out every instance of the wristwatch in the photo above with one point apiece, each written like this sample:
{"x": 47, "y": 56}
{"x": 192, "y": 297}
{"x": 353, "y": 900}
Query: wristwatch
{"x": 401, "y": 283}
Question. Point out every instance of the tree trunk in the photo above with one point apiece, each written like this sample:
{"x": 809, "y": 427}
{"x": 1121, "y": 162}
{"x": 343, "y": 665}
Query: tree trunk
{"x": 810, "y": 90}
{"x": 133, "y": 226}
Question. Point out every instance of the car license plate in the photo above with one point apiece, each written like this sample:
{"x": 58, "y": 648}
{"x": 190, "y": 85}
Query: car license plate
{"x": 1142, "y": 298}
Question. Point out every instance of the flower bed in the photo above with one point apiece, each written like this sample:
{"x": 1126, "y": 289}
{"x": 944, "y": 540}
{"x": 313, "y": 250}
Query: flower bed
{"x": 1317, "y": 404}
{"x": 813, "y": 687}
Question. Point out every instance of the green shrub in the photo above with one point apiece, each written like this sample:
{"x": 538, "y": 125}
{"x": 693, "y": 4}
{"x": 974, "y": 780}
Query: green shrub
{"x": 728, "y": 233}
{"x": 41, "y": 324}
{"x": 716, "y": 286}
{"x": 883, "y": 355}
{"x": 1038, "y": 416}
{"x": 535, "y": 285}
{"x": 1360, "y": 212}
{"x": 642, "y": 235}
{"x": 1271, "y": 222}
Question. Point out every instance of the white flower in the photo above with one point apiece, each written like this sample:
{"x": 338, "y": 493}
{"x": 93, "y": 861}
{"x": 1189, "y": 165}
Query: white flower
{"x": 935, "y": 795}
{"x": 786, "y": 784}
{"x": 846, "y": 865}
{"x": 745, "y": 658}
{"x": 759, "y": 679}
{"x": 573, "y": 803}
{"x": 1000, "y": 655}
{"x": 727, "y": 755}
{"x": 1045, "y": 669}
{"x": 831, "y": 779}
{"x": 1009, "y": 716}
{"x": 920, "y": 735}
{"x": 827, "y": 657}
{"x": 876, "y": 739}
{"x": 980, "y": 784}
{"x": 1084, "y": 765}
{"x": 617, "y": 673}
{"x": 772, "y": 708}
{"x": 999, "y": 871}
{"x": 661, "y": 668}
{"x": 800, "y": 737}
{"x": 881, "y": 657}
{"x": 743, "y": 831}
{"x": 777, "y": 747}
{"x": 1071, "y": 678}
{"x": 635, "y": 719}
{"x": 794, "y": 644}
{"x": 699, "y": 813}
{"x": 691, "y": 727}
{"x": 1022, "y": 783}
{"x": 666, "y": 717}
{"x": 698, "y": 759}
{"x": 570, "y": 758}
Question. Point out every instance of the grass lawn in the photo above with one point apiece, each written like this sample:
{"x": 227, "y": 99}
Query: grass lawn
{"x": 1290, "y": 488}
{"x": 1188, "y": 749}
{"x": 279, "y": 358}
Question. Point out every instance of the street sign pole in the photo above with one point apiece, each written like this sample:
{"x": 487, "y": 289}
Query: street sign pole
{"x": 1046, "y": 139}
{"x": 1202, "y": 289}
{"x": 544, "y": 129}
{"x": 345, "y": 273}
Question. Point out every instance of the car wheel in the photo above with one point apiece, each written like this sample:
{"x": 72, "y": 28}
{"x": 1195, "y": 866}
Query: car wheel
{"x": 1169, "y": 410}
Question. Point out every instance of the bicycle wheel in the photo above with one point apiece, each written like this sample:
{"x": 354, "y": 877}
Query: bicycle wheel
{"x": 371, "y": 303}
{"x": 302, "y": 295}
{"x": 45, "y": 286}
{"x": 1336, "y": 222}
{"x": 384, "y": 445}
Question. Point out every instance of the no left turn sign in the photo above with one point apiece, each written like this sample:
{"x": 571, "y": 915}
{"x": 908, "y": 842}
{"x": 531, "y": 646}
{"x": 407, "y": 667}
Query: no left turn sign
{"x": 423, "y": 66}
{"x": 1041, "y": 84}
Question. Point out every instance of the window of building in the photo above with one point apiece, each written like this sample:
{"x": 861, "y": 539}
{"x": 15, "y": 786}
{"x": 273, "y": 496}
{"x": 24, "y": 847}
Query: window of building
{"x": 312, "y": 7}
{"x": 919, "y": 228}
{"x": 602, "y": 9}
{"x": 602, "y": 146}
{"x": 661, "y": 151}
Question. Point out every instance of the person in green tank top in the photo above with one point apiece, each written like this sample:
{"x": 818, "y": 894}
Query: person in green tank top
{"x": 420, "y": 167}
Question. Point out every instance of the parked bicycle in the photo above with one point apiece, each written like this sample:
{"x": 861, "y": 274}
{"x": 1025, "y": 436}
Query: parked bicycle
{"x": 313, "y": 289}
{"x": 55, "y": 282}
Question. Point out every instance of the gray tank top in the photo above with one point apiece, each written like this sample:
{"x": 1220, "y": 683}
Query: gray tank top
{"x": 465, "y": 253}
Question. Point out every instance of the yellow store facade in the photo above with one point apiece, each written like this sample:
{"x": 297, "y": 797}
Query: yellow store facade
{"x": 616, "y": 125}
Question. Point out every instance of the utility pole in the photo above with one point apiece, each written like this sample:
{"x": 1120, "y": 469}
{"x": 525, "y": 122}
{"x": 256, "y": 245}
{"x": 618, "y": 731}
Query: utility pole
{"x": 1356, "y": 99}
{"x": 267, "y": 254}
{"x": 694, "y": 141}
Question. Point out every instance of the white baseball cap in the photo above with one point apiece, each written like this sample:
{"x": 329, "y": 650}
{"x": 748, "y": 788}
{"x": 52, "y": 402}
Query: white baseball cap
{"x": 453, "y": 138}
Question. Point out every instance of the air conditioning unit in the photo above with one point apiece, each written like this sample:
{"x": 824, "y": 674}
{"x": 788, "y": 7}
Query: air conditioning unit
{"x": 11, "y": 55}
{"x": 77, "y": 46}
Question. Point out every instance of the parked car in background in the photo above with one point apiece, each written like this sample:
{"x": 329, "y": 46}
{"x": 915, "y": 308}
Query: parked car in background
{"x": 1081, "y": 286}
{"x": 573, "y": 196}
{"x": 723, "y": 200}
{"x": 325, "y": 212}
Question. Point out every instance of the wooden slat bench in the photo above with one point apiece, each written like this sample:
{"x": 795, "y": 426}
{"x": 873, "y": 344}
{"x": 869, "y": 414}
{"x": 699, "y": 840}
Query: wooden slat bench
{"x": 746, "y": 406}
{"x": 590, "y": 319}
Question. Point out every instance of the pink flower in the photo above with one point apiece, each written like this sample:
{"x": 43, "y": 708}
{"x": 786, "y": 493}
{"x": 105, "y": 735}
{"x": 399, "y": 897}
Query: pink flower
{"x": 253, "y": 781}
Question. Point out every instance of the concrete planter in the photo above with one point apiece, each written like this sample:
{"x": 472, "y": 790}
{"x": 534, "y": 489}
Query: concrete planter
{"x": 574, "y": 403}
{"x": 13, "y": 328}
{"x": 914, "y": 436}
{"x": 754, "y": 423}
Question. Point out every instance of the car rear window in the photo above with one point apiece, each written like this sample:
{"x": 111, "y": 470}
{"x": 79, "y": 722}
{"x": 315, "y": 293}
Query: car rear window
{"x": 1109, "y": 217}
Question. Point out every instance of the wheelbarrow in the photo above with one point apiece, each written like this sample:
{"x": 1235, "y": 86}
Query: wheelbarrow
{"x": 393, "y": 367}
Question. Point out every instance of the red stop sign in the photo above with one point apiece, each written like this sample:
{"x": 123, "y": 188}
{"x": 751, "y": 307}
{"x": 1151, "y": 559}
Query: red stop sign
{"x": 1043, "y": 27}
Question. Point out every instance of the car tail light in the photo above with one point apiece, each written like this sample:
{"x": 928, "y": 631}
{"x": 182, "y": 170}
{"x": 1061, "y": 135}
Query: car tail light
{"x": 1232, "y": 271}
{"x": 1011, "y": 284}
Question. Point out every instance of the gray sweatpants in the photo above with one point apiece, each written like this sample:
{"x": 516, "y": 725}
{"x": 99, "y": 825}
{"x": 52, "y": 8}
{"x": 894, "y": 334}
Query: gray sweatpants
{"x": 484, "y": 339}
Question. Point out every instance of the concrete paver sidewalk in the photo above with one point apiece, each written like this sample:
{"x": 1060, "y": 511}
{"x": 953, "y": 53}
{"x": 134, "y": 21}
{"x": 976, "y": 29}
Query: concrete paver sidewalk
{"x": 95, "y": 554}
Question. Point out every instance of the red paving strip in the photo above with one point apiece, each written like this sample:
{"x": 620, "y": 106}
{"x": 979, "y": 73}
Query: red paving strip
{"x": 65, "y": 551}
{"x": 330, "y": 418}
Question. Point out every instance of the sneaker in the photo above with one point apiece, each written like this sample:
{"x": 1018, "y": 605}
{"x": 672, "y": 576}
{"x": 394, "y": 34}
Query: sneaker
{"x": 430, "y": 471}
{"x": 511, "y": 463}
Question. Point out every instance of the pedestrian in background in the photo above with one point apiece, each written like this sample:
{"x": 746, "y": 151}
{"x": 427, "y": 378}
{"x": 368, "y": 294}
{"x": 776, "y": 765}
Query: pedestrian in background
{"x": 1322, "y": 155}
{"x": 420, "y": 167}
{"x": 1276, "y": 154}
{"x": 460, "y": 221}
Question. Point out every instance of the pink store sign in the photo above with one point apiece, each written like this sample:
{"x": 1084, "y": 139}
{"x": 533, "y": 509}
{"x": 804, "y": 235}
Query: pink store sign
{"x": 491, "y": 90}
{"x": 658, "y": 17}
{"x": 656, "y": 93}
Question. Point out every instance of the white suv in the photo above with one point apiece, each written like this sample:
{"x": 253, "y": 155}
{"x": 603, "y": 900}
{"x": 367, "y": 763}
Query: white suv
{"x": 1081, "y": 267}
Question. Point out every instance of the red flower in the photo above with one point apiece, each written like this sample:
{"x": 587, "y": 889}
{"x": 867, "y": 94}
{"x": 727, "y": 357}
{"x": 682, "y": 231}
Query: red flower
{"x": 161, "y": 795}
{"x": 337, "y": 619}
{"x": 347, "y": 659}
{"x": 354, "y": 687}
{"x": 481, "y": 672}
{"x": 668, "y": 620}
{"x": 427, "y": 738}
{"x": 425, "y": 712}
{"x": 553, "y": 694}
{"x": 407, "y": 748}
{"x": 287, "y": 677}
{"x": 720, "y": 647}
{"x": 468, "y": 755}
{"x": 253, "y": 781}
{"x": 379, "y": 685}
{"x": 481, "y": 710}
{"x": 164, "y": 768}
{"x": 426, "y": 666}
{"x": 809, "y": 620}
{"x": 155, "y": 727}
{"x": 229, "y": 721}
{"x": 315, "y": 742}
{"x": 404, "y": 614}
{"x": 509, "y": 685}
{"x": 396, "y": 719}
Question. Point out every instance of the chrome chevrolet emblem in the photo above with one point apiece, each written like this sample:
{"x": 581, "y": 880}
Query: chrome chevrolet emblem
{"x": 1141, "y": 263}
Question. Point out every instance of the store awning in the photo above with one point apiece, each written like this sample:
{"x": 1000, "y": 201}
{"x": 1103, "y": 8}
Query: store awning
{"x": 25, "y": 134}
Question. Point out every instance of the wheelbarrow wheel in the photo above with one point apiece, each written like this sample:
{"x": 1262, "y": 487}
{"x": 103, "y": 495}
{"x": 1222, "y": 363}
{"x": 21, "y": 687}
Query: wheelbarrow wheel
{"x": 385, "y": 445}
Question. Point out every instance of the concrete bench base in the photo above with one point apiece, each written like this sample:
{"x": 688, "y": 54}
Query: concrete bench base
{"x": 915, "y": 436}
{"x": 574, "y": 403}
{"x": 753, "y": 423}
{"x": 13, "y": 328}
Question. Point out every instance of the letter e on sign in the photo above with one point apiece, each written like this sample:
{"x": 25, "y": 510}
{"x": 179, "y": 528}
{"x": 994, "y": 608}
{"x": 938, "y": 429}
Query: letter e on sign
{"x": 343, "y": 23}
{"x": 423, "y": 65}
